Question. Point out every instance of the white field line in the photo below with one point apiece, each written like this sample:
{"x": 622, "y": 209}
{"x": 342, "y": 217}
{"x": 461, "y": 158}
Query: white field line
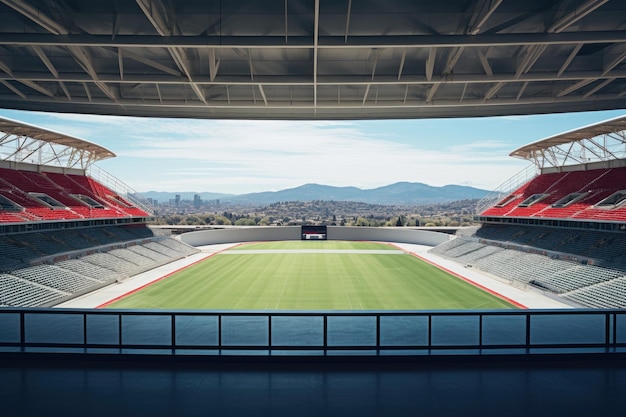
{"x": 287, "y": 251}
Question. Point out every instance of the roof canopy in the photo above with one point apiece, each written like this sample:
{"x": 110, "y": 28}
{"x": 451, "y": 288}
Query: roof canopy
{"x": 327, "y": 59}
{"x": 21, "y": 142}
{"x": 602, "y": 141}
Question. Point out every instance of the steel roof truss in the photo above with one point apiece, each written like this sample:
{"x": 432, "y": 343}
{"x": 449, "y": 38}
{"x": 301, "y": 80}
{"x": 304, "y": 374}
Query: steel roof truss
{"x": 13, "y": 89}
{"x": 46, "y": 61}
{"x": 599, "y": 87}
{"x": 575, "y": 15}
{"x": 607, "y": 154}
{"x": 569, "y": 59}
{"x": 484, "y": 62}
{"x": 348, "y": 13}
{"x": 402, "y": 60}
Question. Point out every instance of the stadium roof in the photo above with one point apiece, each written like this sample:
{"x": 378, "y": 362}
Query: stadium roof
{"x": 603, "y": 141}
{"x": 28, "y": 143}
{"x": 326, "y": 59}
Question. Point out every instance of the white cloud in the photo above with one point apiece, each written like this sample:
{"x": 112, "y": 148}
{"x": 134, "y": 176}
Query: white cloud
{"x": 237, "y": 157}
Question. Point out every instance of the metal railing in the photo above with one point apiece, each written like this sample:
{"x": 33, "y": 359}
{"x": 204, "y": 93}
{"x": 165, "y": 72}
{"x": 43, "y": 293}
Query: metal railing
{"x": 115, "y": 184}
{"x": 506, "y": 188}
{"x": 311, "y": 333}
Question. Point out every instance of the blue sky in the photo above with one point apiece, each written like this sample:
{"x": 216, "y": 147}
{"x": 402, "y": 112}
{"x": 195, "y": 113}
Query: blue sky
{"x": 236, "y": 157}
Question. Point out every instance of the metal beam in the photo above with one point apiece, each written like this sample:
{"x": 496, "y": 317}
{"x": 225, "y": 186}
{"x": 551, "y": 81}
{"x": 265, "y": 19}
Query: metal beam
{"x": 599, "y": 87}
{"x": 614, "y": 63}
{"x": 532, "y": 55}
{"x": 87, "y": 92}
{"x": 375, "y": 52}
{"x": 569, "y": 59}
{"x": 453, "y": 58}
{"x": 316, "y": 34}
{"x": 574, "y": 87}
{"x": 83, "y": 59}
{"x": 15, "y": 90}
{"x": 149, "y": 62}
{"x": 324, "y": 42}
{"x": 332, "y": 104}
{"x": 402, "y": 63}
{"x": 575, "y": 15}
{"x": 263, "y": 94}
{"x": 348, "y": 21}
{"x": 79, "y": 53}
{"x": 430, "y": 63}
{"x": 46, "y": 61}
{"x": 481, "y": 18}
{"x": 159, "y": 93}
{"x": 367, "y": 90}
{"x": 156, "y": 12}
{"x": 213, "y": 64}
{"x": 303, "y": 80}
{"x": 484, "y": 63}
{"x": 36, "y": 16}
{"x": 584, "y": 82}
{"x": 120, "y": 62}
{"x": 521, "y": 91}
{"x": 431, "y": 93}
{"x": 493, "y": 90}
{"x": 463, "y": 93}
{"x": 286, "y": 23}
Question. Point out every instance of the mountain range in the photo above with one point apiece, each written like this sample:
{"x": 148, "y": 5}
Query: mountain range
{"x": 400, "y": 193}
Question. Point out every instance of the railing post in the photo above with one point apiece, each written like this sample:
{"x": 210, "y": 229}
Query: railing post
{"x": 430, "y": 331}
{"x": 614, "y": 329}
{"x": 325, "y": 342}
{"x": 269, "y": 333}
{"x": 480, "y": 330}
{"x": 378, "y": 334}
{"x": 173, "y": 330}
{"x": 119, "y": 329}
{"x": 84, "y": 330}
{"x": 22, "y": 331}
{"x": 607, "y": 329}
{"x": 219, "y": 333}
{"x": 527, "y": 331}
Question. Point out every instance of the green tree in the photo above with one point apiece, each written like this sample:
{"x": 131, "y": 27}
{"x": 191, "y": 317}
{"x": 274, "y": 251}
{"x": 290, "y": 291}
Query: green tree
{"x": 361, "y": 221}
{"x": 221, "y": 220}
{"x": 245, "y": 222}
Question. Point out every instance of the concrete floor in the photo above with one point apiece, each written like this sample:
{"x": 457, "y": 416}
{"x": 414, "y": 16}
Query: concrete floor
{"x": 115, "y": 389}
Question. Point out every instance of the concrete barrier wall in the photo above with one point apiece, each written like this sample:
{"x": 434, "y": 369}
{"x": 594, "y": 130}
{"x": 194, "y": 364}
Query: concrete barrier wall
{"x": 271, "y": 233}
{"x": 241, "y": 234}
{"x": 391, "y": 234}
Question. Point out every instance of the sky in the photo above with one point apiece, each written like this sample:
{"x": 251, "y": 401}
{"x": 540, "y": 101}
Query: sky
{"x": 244, "y": 156}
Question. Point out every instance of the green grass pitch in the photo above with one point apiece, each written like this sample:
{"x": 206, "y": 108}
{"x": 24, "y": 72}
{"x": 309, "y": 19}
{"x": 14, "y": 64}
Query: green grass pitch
{"x": 279, "y": 276}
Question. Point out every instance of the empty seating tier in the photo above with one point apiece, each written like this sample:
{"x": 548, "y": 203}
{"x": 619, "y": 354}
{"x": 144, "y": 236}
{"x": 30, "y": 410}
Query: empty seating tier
{"x": 57, "y": 196}
{"x": 57, "y": 278}
{"x": 586, "y": 267}
{"x": 15, "y": 291}
{"x": 591, "y": 187}
{"x": 57, "y": 265}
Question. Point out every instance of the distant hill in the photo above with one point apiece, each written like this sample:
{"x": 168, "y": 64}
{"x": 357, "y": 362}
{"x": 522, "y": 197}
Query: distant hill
{"x": 401, "y": 193}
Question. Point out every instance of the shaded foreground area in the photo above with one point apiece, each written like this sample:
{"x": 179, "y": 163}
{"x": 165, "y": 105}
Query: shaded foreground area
{"x": 553, "y": 386}
{"x": 313, "y": 276}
